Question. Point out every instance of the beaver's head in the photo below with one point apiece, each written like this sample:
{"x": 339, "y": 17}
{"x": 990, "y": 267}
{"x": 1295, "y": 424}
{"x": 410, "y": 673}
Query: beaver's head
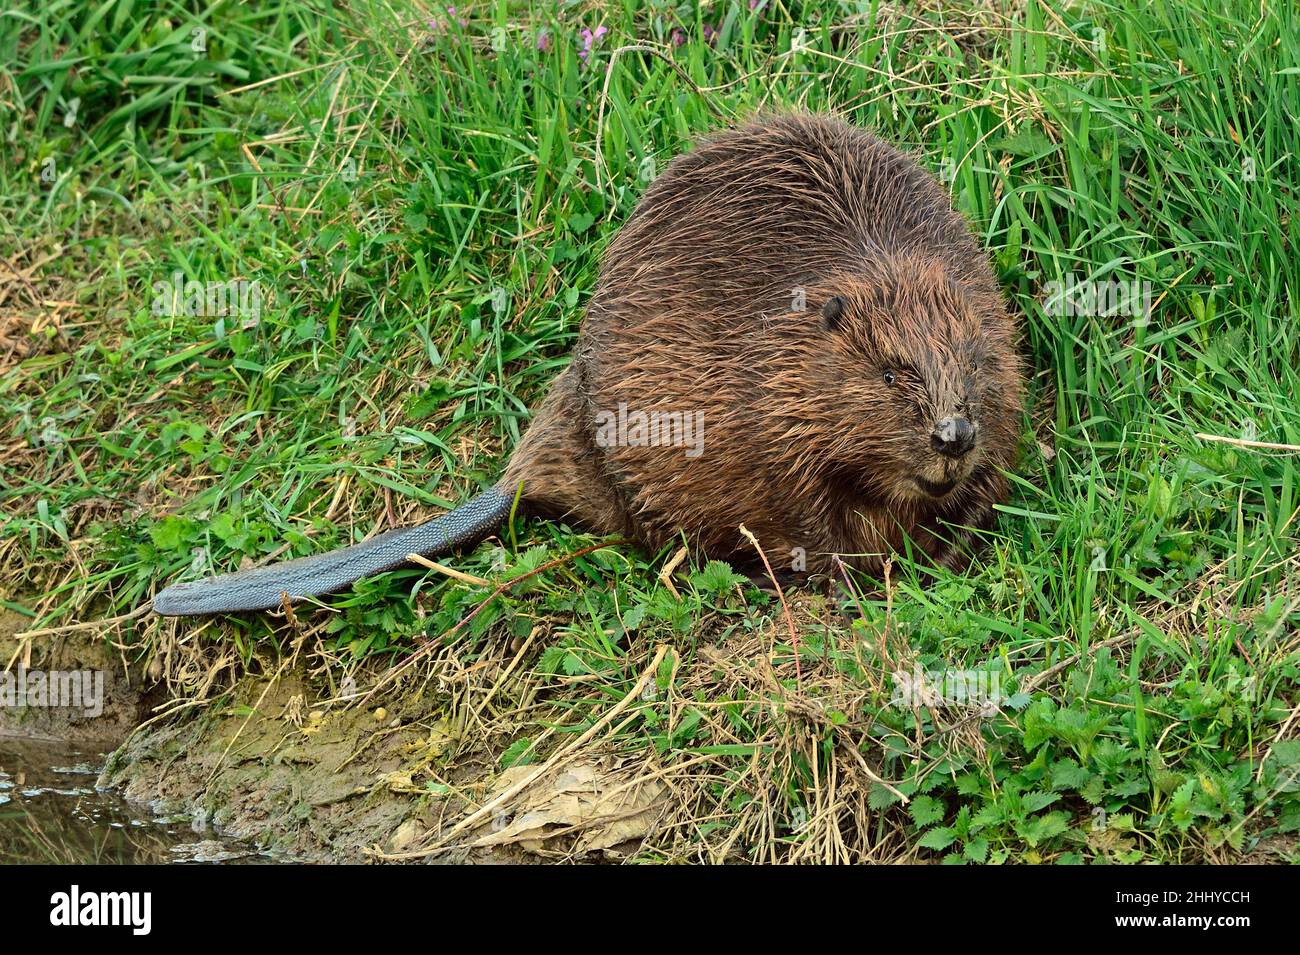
{"x": 922, "y": 374}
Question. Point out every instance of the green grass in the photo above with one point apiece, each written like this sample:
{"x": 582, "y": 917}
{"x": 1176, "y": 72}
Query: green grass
{"x": 386, "y": 178}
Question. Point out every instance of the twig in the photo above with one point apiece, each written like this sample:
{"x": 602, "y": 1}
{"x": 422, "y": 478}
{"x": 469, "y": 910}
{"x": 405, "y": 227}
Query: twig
{"x": 1039, "y": 678}
{"x": 31, "y": 289}
{"x": 666, "y": 575}
{"x": 448, "y": 571}
{"x": 1243, "y": 443}
{"x": 90, "y": 625}
{"x": 872, "y": 776}
{"x": 780, "y": 594}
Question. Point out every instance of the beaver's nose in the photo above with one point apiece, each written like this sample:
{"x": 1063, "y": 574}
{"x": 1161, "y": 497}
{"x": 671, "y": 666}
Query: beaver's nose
{"x": 953, "y": 437}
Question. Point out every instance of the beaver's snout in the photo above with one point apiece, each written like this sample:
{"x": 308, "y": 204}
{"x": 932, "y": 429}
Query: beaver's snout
{"x": 953, "y": 437}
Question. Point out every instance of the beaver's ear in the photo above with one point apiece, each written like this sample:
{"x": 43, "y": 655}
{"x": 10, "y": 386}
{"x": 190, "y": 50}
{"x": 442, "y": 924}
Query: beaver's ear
{"x": 832, "y": 312}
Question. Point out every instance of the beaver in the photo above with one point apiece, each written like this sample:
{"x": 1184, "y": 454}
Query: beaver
{"x": 795, "y": 331}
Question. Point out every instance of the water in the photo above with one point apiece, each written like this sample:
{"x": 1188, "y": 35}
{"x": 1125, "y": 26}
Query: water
{"x": 51, "y": 812}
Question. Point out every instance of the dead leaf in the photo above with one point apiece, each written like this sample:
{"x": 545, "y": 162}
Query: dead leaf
{"x": 406, "y": 834}
{"x": 603, "y": 806}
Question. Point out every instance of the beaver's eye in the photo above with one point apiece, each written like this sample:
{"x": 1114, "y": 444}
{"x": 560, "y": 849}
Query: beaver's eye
{"x": 890, "y": 377}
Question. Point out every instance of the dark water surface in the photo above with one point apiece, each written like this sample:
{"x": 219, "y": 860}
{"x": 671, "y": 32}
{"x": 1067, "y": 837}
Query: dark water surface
{"x": 51, "y": 812}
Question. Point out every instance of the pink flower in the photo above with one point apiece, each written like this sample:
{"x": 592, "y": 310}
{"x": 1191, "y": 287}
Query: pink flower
{"x": 440, "y": 26}
{"x": 679, "y": 36}
{"x": 589, "y": 40}
{"x": 543, "y": 40}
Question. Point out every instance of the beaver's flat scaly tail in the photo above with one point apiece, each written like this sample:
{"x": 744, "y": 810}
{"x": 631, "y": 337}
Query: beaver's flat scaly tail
{"x": 262, "y": 587}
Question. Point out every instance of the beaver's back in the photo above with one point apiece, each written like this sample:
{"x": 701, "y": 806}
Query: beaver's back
{"x": 749, "y": 215}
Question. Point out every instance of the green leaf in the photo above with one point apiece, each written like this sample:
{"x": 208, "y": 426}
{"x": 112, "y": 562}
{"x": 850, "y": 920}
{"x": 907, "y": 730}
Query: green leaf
{"x": 1288, "y": 819}
{"x": 223, "y": 528}
{"x": 632, "y": 618}
{"x": 937, "y": 839}
{"x": 552, "y": 659}
{"x": 977, "y": 850}
{"x": 517, "y": 753}
{"x": 1039, "y": 829}
{"x": 880, "y": 797}
{"x": 580, "y": 222}
{"x": 1037, "y": 800}
{"x": 573, "y": 664}
{"x": 168, "y": 533}
{"x": 1068, "y": 774}
{"x": 926, "y": 810}
{"x": 987, "y": 816}
{"x": 717, "y": 577}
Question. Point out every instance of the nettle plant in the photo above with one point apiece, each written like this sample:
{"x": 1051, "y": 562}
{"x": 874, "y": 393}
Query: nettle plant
{"x": 1100, "y": 775}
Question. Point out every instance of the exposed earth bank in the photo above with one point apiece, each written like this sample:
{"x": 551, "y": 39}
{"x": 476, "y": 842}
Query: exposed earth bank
{"x": 313, "y": 774}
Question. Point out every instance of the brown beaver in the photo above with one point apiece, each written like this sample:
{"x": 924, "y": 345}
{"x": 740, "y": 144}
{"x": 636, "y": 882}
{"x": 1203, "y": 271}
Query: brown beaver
{"x": 794, "y": 331}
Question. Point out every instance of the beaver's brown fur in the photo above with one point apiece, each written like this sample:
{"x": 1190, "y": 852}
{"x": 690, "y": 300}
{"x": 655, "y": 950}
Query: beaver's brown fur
{"x": 804, "y": 292}
{"x": 819, "y": 423}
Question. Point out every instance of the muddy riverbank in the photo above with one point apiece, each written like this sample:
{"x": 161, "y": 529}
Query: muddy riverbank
{"x": 126, "y": 774}
{"x": 281, "y": 765}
